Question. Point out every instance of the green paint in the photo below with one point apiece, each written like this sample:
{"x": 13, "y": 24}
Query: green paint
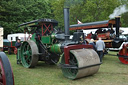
{"x": 13, "y": 43}
{"x": 55, "y": 48}
{"x": 19, "y": 54}
{"x": 26, "y": 54}
{"x": 28, "y": 25}
{"x": 33, "y": 37}
{"x": 7, "y": 44}
{"x": 53, "y": 35}
{"x": 46, "y": 39}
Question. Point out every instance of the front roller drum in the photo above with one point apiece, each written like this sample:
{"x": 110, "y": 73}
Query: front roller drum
{"x": 86, "y": 60}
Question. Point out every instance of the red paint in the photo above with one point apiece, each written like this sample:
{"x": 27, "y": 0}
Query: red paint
{"x": 25, "y": 34}
{"x": 124, "y": 52}
{"x": 104, "y": 35}
{"x": 3, "y": 79}
{"x": 88, "y": 27}
{"x": 11, "y": 43}
{"x": 42, "y": 30}
{"x": 47, "y": 28}
{"x": 89, "y": 36}
{"x": 71, "y": 47}
{"x": 15, "y": 51}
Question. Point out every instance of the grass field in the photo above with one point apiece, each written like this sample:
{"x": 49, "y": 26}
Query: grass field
{"x": 112, "y": 72}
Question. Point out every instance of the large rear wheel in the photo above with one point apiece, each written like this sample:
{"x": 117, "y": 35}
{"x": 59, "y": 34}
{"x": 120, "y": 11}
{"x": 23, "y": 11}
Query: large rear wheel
{"x": 122, "y": 59}
{"x": 6, "y": 74}
{"x": 29, "y": 54}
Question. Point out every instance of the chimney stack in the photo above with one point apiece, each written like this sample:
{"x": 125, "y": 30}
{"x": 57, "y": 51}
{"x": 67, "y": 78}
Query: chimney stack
{"x": 117, "y": 19}
{"x": 66, "y": 23}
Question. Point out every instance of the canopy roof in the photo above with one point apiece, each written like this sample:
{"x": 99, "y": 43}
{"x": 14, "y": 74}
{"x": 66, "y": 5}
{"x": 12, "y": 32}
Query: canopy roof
{"x": 38, "y": 22}
{"x": 93, "y": 25}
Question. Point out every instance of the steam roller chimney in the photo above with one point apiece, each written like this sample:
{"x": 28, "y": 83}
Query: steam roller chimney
{"x": 117, "y": 19}
{"x": 66, "y": 23}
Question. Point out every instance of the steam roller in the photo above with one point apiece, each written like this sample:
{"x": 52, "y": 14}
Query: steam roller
{"x": 72, "y": 55}
{"x": 80, "y": 64}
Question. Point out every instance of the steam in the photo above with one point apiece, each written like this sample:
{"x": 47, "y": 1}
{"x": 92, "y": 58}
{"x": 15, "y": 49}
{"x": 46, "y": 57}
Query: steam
{"x": 118, "y": 11}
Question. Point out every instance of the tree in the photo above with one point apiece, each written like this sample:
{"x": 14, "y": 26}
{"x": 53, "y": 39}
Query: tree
{"x": 15, "y": 12}
{"x": 85, "y": 11}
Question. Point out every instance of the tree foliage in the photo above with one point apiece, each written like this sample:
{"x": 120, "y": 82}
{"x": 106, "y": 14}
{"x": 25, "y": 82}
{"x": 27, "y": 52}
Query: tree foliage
{"x": 86, "y": 11}
{"x": 15, "y": 12}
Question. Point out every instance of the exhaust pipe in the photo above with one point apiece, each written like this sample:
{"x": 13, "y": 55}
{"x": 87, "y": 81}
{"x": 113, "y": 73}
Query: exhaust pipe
{"x": 66, "y": 23}
{"x": 117, "y": 19}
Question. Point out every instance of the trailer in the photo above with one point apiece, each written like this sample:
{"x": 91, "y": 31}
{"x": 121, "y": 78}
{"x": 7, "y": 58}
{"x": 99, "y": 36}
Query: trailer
{"x": 9, "y": 43}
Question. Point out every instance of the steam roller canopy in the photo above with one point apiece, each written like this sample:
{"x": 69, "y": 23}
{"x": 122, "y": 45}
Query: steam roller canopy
{"x": 86, "y": 60}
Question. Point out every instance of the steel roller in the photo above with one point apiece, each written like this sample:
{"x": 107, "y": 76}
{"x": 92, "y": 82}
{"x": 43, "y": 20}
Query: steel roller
{"x": 86, "y": 60}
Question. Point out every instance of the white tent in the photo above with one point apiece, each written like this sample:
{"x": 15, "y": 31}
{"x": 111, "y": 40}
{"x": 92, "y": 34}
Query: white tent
{"x": 89, "y": 31}
{"x": 125, "y": 29}
{"x": 14, "y": 37}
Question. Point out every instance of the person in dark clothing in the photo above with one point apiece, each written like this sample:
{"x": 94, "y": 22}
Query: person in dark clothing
{"x": 93, "y": 44}
{"x": 18, "y": 43}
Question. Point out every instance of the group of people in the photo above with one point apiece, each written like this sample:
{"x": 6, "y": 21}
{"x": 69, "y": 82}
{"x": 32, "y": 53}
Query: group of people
{"x": 99, "y": 47}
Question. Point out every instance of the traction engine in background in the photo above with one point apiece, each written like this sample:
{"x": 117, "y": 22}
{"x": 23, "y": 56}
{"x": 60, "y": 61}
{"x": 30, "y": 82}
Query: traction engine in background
{"x": 106, "y": 32}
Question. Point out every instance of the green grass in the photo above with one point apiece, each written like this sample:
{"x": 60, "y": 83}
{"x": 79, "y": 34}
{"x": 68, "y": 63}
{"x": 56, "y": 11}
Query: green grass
{"x": 112, "y": 72}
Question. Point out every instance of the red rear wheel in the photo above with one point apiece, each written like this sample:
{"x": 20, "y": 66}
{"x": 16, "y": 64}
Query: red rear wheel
{"x": 15, "y": 51}
{"x": 123, "y": 60}
{"x": 6, "y": 75}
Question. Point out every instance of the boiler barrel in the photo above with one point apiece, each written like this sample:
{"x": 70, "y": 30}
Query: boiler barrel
{"x": 86, "y": 60}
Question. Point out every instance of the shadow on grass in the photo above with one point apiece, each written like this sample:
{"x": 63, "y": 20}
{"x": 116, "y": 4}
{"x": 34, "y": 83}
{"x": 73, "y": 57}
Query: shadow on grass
{"x": 41, "y": 65}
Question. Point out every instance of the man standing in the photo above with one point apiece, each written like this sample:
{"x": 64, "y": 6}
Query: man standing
{"x": 100, "y": 48}
{"x": 17, "y": 45}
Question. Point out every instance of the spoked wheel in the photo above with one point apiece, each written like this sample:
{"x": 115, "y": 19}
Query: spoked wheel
{"x": 29, "y": 53}
{"x": 6, "y": 74}
{"x": 122, "y": 59}
{"x": 69, "y": 72}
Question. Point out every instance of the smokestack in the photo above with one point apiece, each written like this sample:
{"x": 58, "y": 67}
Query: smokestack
{"x": 66, "y": 23}
{"x": 117, "y": 19}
